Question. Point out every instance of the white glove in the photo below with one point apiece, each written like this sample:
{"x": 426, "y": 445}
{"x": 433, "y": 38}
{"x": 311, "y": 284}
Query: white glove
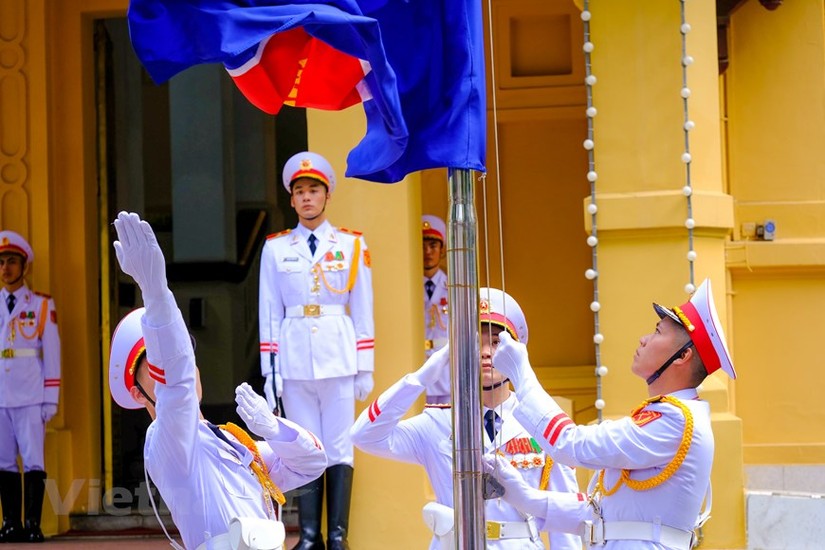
{"x": 363, "y": 384}
{"x": 256, "y": 413}
{"x": 272, "y": 393}
{"x": 512, "y": 361}
{"x": 517, "y": 492}
{"x": 139, "y": 255}
{"x": 432, "y": 369}
{"x": 47, "y": 411}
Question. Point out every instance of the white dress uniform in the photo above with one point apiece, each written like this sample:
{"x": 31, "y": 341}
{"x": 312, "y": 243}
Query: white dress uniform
{"x": 205, "y": 479}
{"x": 426, "y": 439}
{"x": 436, "y": 332}
{"x": 645, "y": 444}
{"x": 29, "y": 376}
{"x": 316, "y": 314}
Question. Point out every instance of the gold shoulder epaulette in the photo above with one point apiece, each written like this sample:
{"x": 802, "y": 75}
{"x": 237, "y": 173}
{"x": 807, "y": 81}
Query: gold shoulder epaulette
{"x": 279, "y": 234}
{"x": 350, "y": 231}
{"x": 437, "y": 406}
{"x": 42, "y": 295}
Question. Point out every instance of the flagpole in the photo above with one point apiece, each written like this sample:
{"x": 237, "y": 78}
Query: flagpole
{"x": 462, "y": 282}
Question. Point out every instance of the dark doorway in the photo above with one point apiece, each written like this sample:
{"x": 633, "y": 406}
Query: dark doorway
{"x": 202, "y": 166}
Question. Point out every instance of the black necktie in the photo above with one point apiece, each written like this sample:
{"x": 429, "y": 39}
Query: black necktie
{"x": 490, "y": 421}
{"x": 312, "y": 245}
{"x": 430, "y": 287}
{"x": 10, "y": 301}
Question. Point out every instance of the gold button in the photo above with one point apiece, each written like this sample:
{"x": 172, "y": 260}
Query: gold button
{"x": 314, "y": 330}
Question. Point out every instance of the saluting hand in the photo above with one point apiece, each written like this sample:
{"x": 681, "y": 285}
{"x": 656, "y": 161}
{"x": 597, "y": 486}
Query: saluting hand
{"x": 434, "y": 366}
{"x": 139, "y": 255}
{"x": 512, "y": 361}
{"x": 255, "y": 412}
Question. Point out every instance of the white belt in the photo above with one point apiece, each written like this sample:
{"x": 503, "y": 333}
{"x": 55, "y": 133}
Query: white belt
{"x": 11, "y": 353}
{"x": 435, "y": 343}
{"x": 497, "y": 530}
{"x": 316, "y": 310}
{"x": 598, "y": 533}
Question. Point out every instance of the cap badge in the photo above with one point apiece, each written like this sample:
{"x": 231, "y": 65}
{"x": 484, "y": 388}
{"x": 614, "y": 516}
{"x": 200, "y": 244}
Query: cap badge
{"x": 306, "y": 164}
{"x": 685, "y": 321}
{"x": 484, "y": 306}
{"x": 426, "y": 225}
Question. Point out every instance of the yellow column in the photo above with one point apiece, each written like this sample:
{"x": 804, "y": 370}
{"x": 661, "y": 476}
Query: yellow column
{"x": 387, "y": 496}
{"x": 642, "y": 238}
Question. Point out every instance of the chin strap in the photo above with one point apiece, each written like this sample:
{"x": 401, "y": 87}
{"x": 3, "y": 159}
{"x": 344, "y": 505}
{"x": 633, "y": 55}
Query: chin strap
{"x": 496, "y": 385}
{"x": 653, "y": 377}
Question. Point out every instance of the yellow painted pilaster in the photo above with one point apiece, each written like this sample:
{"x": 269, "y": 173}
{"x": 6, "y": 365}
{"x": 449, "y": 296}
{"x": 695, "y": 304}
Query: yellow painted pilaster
{"x": 642, "y": 239}
{"x": 387, "y": 495}
{"x": 776, "y": 136}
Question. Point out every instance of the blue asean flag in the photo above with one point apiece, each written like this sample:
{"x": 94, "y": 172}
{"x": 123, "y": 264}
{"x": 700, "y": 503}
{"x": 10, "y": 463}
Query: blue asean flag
{"x": 332, "y": 56}
{"x": 436, "y": 49}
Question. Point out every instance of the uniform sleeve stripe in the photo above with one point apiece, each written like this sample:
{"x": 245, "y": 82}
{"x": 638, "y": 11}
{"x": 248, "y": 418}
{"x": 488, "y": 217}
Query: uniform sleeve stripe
{"x": 555, "y": 427}
{"x": 157, "y": 377}
{"x": 374, "y": 411}
{"x": 267, "y": 346}
{"x": 51, "y": 384}
{"x": 365, "y": 345}
{"x": 581, "y": 497}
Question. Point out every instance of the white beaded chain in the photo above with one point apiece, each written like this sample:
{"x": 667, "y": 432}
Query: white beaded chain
{"x": 592, "y": 209}
{"x": 687, "y": 127}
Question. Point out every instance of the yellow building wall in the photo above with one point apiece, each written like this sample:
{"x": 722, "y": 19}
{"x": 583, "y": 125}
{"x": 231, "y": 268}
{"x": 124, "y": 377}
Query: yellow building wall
{"x": 776, "y": 139}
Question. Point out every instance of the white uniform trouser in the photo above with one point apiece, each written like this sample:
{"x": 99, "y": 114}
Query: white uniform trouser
{"x": 325, "y": 407}
{"x": 21, "y": 430}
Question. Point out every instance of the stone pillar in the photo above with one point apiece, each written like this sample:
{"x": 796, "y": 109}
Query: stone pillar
{"x": 203, "y": 201}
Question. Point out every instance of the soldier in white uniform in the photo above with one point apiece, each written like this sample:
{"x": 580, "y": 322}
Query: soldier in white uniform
{"x": 29, "y": 389}
{"x": 211, "y": 477}
{"x": 654, "y": 466}
{"x": 436, "y": 320}
{"x": 426, "y": 438}
{"x": 317, "y": 337}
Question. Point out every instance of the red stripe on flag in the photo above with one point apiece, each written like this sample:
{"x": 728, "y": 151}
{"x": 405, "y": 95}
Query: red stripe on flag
{"x": 296, "y": 69}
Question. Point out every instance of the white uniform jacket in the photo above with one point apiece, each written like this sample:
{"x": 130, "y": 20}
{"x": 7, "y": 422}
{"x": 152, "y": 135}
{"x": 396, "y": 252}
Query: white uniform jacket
{"x": 437, "y": 328}
{"x": 205, "y": 480}
{"x": 30, "y": 356}
{"x": 312, "y": 343}
{"x": 644, "y": 444}
{"x": 426, "y": 439}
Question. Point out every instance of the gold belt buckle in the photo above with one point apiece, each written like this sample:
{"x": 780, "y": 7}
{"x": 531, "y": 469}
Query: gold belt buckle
{"x": 428, "y": 345}
{"x": 493, "y": 530}
{"x": 8, "y": 353}
{"x": 312, "y": 310}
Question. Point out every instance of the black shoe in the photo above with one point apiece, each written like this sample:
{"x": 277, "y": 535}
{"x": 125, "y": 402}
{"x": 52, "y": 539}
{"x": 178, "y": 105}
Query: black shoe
{"x": 11, "y": 532}
{"x": 33, "y": 532}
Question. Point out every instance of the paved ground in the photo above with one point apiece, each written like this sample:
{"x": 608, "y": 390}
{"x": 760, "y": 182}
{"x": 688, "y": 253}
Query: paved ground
{"x": 104, "y": 543}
